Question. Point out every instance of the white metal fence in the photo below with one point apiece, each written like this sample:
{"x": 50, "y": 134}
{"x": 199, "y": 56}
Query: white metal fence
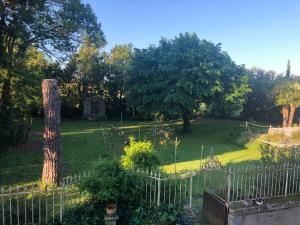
{"x": 253, "y": 182}
{"x": 29, "y": 204}
{"x": 176, "y": 189}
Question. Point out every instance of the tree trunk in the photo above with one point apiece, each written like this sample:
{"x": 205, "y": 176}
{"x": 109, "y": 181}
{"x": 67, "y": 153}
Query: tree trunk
{"x": 292, "y": 114}
{"x": 186, "y": 122}
{"x": 5, "y": 95}
{"x": 285, "y": 116}
{"x": 52, "y": 140}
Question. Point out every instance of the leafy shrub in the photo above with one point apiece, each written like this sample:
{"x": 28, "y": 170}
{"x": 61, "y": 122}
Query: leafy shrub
{"x": 140, "y": 155}
{"x": 83, "y": 214}
{"x": 273, "y": 154}
{"x": 240, "y": 138}
{"x": 110, "y": 183}
{"x": 12, "y": 132}
{"x": 164, "y": 215}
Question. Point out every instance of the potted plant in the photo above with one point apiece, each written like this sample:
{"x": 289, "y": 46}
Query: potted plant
{"x": 111, "y": 209}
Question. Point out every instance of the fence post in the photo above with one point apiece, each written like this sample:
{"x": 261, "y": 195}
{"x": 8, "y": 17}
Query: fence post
{"x": 2, "y": 203}
{"x": 191, "y": 191}
{"x": 286, "y": 179}
{"x": 228, "y": 184}
{"x": 158, "y": 190}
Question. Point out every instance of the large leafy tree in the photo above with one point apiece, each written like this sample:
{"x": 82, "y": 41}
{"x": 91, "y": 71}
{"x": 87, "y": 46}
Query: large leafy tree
{"x": 119, "y": 61}
{"x": 53, "y": 26}
{"x": 176, "y": 75}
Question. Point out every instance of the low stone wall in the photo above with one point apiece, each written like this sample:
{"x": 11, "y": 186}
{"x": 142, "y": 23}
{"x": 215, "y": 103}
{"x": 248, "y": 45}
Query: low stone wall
{"x": 284, "y": 212}
{"x": 287, "y": 131}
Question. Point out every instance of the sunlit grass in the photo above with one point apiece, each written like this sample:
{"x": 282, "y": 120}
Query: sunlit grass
{"x": 82, "y": 144}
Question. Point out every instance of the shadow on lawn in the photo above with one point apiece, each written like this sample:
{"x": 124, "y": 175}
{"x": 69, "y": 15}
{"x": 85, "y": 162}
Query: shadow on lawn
{"x": 82, "y": 143}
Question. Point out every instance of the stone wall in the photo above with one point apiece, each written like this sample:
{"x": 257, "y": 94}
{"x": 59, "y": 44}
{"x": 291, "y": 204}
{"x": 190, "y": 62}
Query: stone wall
{"x": 280, "y": 213}
{"x": 287, "y": 131}
{"x": 94, "y": 107}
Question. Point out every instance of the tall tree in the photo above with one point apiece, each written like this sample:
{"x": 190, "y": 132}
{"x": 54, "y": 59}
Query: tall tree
{"x": 53, "y": 26}
{"x": 52, "y": 144}
{"x": 176, "y": 75}
{"x": 119, "y": 62}
{"x": 86, "y": 70}
{"x": 288, "y": 69}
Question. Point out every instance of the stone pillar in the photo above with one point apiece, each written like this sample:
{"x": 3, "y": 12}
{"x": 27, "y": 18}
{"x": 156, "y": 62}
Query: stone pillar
{"x": 111, "y": 220}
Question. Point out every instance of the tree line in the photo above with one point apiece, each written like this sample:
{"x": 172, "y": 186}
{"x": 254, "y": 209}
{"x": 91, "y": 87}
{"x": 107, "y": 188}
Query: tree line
{"x": 182, "y": 77}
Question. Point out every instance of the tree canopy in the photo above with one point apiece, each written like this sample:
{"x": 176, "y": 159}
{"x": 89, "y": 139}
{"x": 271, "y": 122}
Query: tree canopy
{"x": 175, "y": 76}
{"x": 53, "y": 26}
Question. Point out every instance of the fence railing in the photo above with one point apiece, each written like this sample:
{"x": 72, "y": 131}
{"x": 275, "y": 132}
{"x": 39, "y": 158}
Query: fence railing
{"x": 254, "y": 182}
{"x": 36, "y": 186}
{"x": 29, "y": 204}
{"x": 36, "y": 206}
{"x": 176, "y": 189}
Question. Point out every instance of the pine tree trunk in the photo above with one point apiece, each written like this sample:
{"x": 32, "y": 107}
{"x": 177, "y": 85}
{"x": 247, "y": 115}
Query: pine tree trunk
{"x": 186, "y": 122}
{"x": 292, "y": 114}
{"x": 52, "y": 140}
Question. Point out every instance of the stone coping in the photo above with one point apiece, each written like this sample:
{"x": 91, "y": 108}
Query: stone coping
{"x": 250, "y": 207}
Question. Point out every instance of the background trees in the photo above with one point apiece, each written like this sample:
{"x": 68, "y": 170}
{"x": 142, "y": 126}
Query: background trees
{"x": 260, "y": 103}
{"x": 53, "y": 26}
{"x": 288, "y": 96}
{"x": 119, "y": 61}
{"x": 178, "y": 74}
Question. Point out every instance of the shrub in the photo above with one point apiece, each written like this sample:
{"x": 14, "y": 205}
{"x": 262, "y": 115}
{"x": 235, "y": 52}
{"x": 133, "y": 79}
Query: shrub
{"x": 140, "y": 155}
{"x": 83, "y": 214}
{"x": 12, "y": 132}
{"x": 164, "y": 215}
{"x": 239, "y": 138}
{"x": 273, "y": 154}
{"x": 110, "y": 183}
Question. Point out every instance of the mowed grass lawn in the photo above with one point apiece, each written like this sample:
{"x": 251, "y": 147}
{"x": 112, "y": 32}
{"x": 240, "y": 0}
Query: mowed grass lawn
{"x": 82, "y": 143}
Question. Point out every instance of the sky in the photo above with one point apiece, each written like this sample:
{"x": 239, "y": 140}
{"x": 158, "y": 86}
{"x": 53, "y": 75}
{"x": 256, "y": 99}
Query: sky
{"x": 261, "y": 33}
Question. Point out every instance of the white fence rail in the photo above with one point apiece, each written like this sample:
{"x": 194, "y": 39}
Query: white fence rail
{"x": 254, "y": 182}
{"x": 37, "y": 207}
{"x": 177, "y": 189}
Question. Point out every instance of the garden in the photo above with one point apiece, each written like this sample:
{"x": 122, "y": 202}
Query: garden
{"x": 161, "y": 135}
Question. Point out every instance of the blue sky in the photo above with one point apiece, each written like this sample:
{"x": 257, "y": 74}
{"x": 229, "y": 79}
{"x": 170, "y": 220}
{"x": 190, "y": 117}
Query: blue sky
{"x": 263, "y": 33}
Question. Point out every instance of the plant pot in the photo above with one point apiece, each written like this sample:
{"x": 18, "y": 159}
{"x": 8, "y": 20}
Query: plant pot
{"x": 111, "y": 209}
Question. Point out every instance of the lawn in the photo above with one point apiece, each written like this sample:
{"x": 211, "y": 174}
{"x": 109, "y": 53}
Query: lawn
{"x": 82, "y": 143}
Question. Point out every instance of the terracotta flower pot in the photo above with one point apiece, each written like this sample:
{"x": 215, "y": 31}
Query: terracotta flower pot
{"x": 111, "y": 209}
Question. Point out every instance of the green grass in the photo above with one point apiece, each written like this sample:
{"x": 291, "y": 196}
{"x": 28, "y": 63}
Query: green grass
{"x": 82, "y": 143}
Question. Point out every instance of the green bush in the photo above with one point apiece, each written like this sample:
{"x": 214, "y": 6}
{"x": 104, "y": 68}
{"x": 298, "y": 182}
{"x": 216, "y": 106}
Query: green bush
{"x": 84, "y": 214}
{"x": 166, "y": 215}
{"x": 12, "y": 132}
{"x": 240, "y": 138}
{"x": 111, "y": 183}
{"x": 140, "y": 155}
{"x": 273, "y": 154}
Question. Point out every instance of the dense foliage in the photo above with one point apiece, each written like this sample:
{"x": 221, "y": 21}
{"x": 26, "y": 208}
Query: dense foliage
{"x": 165, "y": 215}
{"x": 140, "y": 155}
{"x": 178, "y": 74}
{"x": 110, "y": 183}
